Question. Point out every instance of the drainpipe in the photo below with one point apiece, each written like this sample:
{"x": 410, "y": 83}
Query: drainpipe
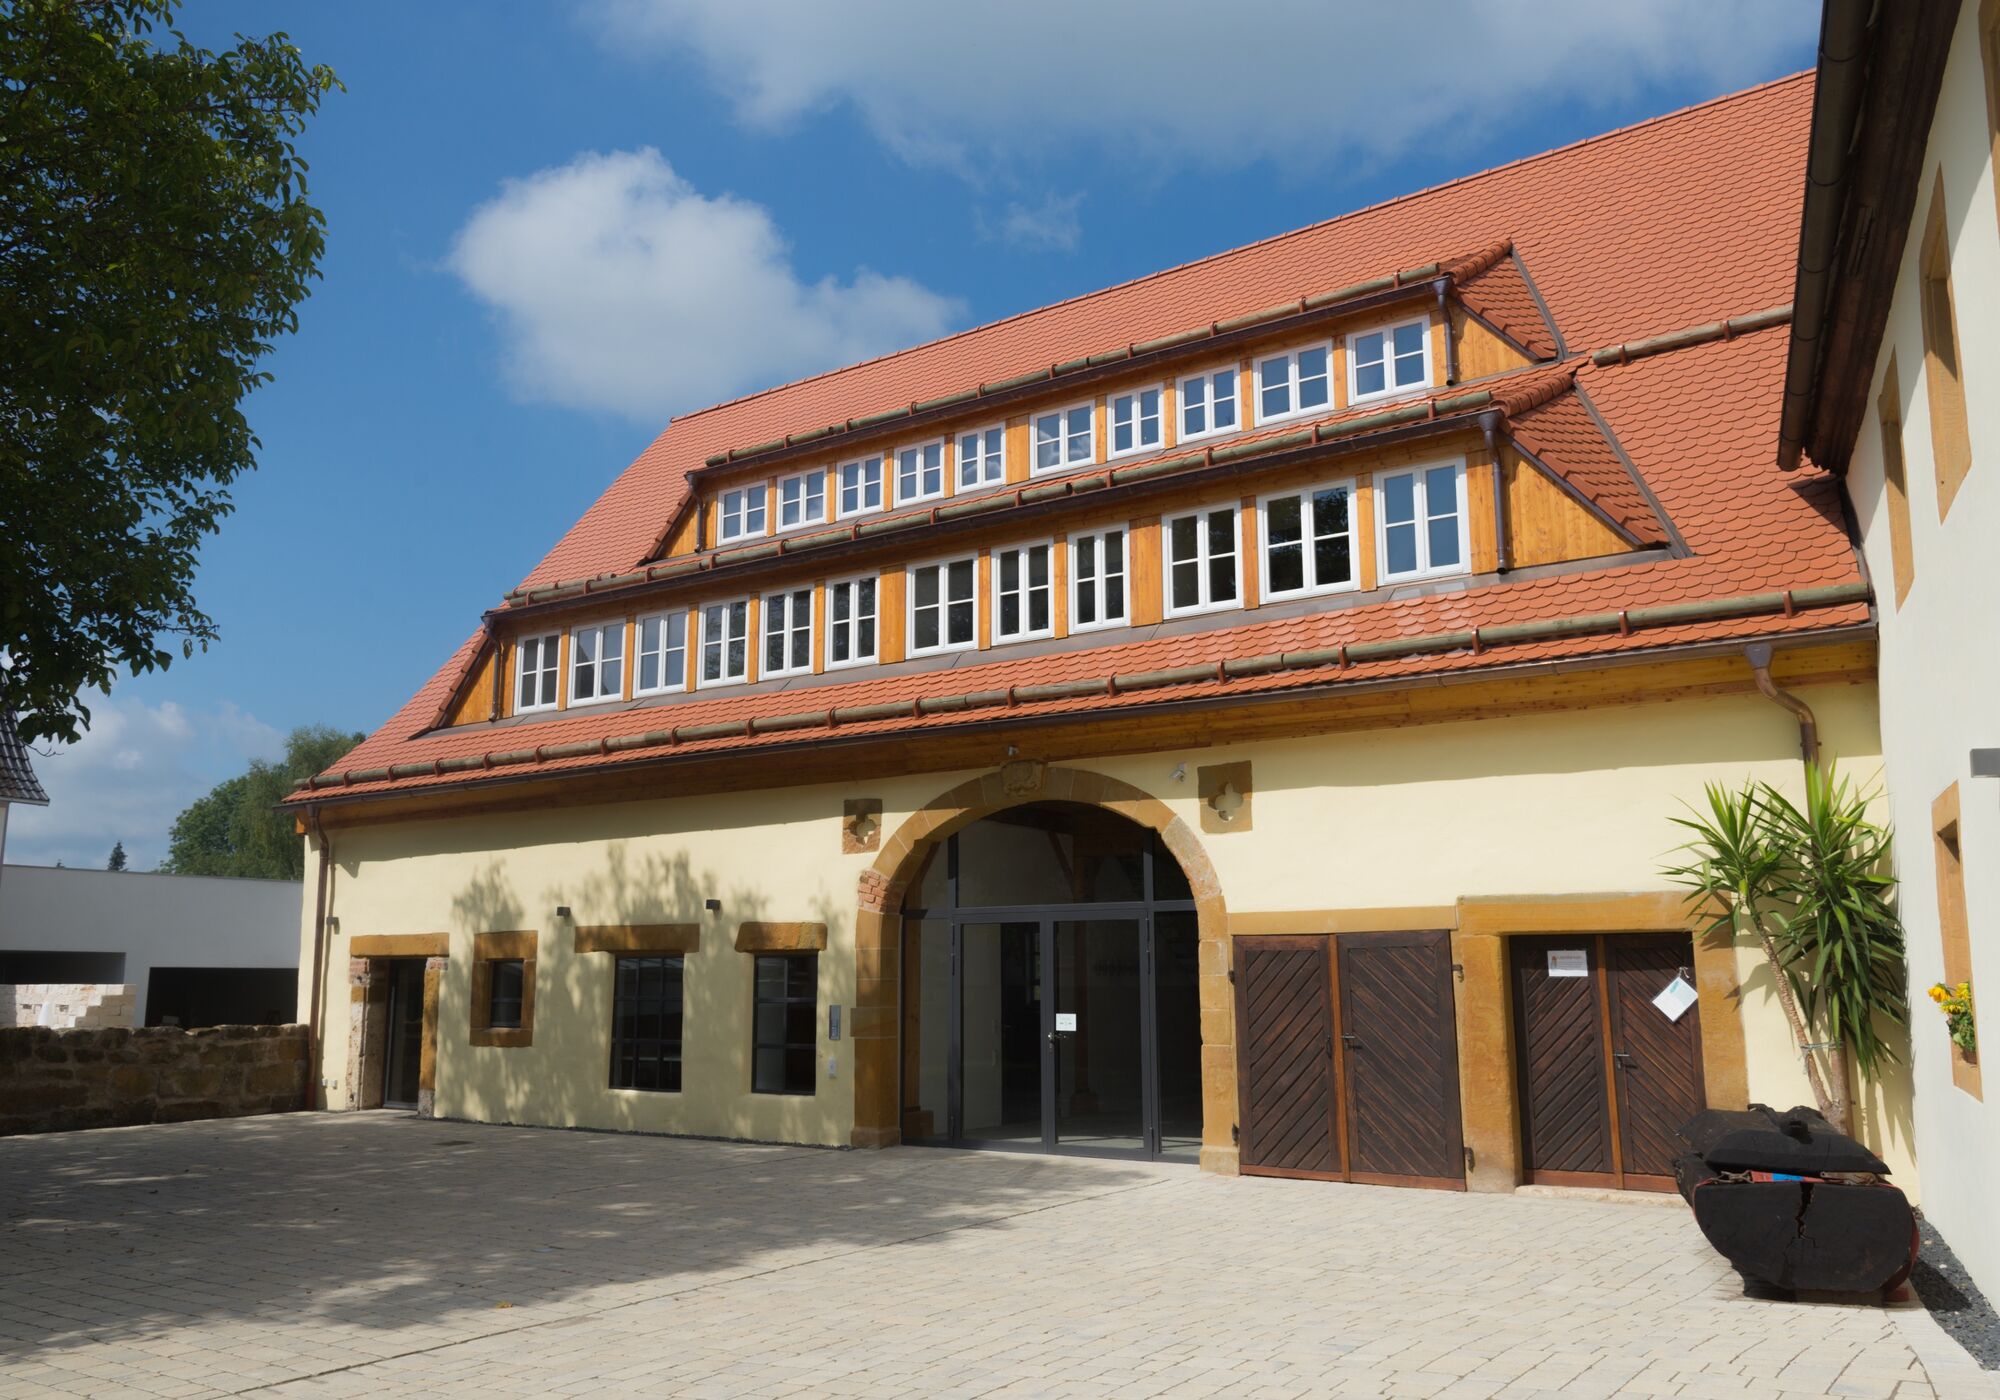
{"x": 313, "y": 1048}
{"x": 1450, "y": 346}
{"x": 1759, "y": 655}
{"x": 1502, "y": 557}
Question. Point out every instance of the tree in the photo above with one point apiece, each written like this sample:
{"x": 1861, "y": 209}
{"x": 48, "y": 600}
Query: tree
{"x": 155, "y": 238}
{"x": 1812, "y": 884}
{"x": 117, "y": 861}
{"x": 237, "y": 830}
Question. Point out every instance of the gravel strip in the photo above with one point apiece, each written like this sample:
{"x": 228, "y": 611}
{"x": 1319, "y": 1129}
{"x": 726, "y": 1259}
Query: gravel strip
{"x": 1957, "y": 1304}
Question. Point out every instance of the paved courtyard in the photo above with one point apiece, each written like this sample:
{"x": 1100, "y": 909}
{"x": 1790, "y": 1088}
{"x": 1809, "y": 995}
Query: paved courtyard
{"x": 380, "y": 1254}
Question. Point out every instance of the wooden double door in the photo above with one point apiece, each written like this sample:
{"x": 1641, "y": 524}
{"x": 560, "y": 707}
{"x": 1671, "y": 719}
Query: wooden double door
{"x": 1606, "y": 1076}
{"x": 1347, "y": 1059}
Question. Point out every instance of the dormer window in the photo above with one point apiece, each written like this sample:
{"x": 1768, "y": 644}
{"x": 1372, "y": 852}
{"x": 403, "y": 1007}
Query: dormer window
{"x": 850, "y": 621}
{"x": 725, "y": 643}
{"x": 1135, "y": 421}
{"x": 1391, "y": 360}
{"x": 1208, "y": 403}
{"x": 536, "y": 660}
{"x": 982, "y": 457}
{"x": 1298, "y": 381}
{"x": 860, "y": 486}
{"x": 788, "y": 633}
{"x": 662, "y": 658}
{"x": 920, "y": 472}
{"x": 944, "y": 599}
{"x": 1023, "y": 593}
{"x": 1066, "y": 438}
{"x": 1308, "y": 539}
{"x": 742, "y": 513}
{"x": 802, "y": 500}
{"x": 596, "y": 663}
{"x": 1422, "y": 530}
{"x": 1201, "y": 573}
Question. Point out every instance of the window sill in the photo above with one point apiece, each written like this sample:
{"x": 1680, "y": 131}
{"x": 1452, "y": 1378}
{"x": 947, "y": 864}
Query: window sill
{"x": 1201, "y": 610}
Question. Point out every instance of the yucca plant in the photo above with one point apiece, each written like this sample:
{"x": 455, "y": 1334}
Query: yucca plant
{"x": 1812, "y": 883}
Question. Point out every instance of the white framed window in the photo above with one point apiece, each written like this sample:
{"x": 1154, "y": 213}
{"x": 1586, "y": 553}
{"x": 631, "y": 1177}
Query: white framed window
{"x": 944, "y": 604}
{"x": 1097, "y": 579}
{"x": 1065, "y": 438}
{"x": 725, "y": 643}
{"x": 788, "y": 633}
{"x": 1024, "y": 596}
{"x": 536, "y": 661}
{"x": 1298, "y": 381}
{"x": 1135, "y": 421}
{"x": 802, "y": 500}
{"x": 1208, "y": 403}
{"x": 860, "y": 486}
{"x": 1307, "y": 539}
{"x": 742, "y": 514}
{"x": 920, "y": 472}
{"x": 660, "y": 661}
{"x": 982, "y": 457}
{"x": 850, "y": 622}
{"x": 1420, "y": 529}
{"x": 597, "y": 663}
{"x": 1201, "y": 572}
{"x": 1389, "y": 360}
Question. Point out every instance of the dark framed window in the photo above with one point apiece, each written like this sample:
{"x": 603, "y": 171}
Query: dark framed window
{"x": 646, "y": 1024}
{"x": 785, "y": 1038}
{"x": 504, "y": 992}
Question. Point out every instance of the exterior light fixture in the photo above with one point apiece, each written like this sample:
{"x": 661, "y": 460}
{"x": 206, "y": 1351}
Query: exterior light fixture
{"x": 562, "y": 911}
{"x": 713, "y": 906}
{"x": 1180, "y": 772}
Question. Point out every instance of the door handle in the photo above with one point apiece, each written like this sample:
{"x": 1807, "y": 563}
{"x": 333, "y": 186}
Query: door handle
{"x": 1623, "y": 1058}
{"x": 1350, "y": 1042}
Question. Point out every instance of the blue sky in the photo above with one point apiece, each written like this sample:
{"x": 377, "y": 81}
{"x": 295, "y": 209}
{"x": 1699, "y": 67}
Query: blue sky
{"x": 550, "y": 227}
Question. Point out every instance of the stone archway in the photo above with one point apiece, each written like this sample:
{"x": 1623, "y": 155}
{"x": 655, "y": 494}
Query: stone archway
{"x": 878, "y": 939}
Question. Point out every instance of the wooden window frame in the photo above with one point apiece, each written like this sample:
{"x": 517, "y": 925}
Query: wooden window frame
{"x": 752, "y": 501}
{"x": 749, "y": 638}
{"x": 678, "y": 674}
{"x": 1954, "y": 922}
{"x": 1944, "y": 381}
{"x": 921, "y": 470}
{"x": 1391, "y": 387}
{"x": 1112, "y": 451}
{"x": 1425, "y": 569}
{"x": 548, "y": 655}
{"x": 1314, "y": 586}
{"x": 944, "y": 644}
{"x": 787, "y": 599}
{"x": 600, "y": 631}
{"x": 516, "y": 945}
{"x": 1124, "y": 573}
{"x": 1026, "y": 634}
{"x": 804, "y": 481}
{"x": 1293, "y": 408}
{"x": 1204, "y": 555}
{"x": 1065, "y": 460}
{"x": 1206, "y": 379}
{"x": 873, "y": 464}
{"x": 1896, "y": 481}
{"x": 990, "y": 466}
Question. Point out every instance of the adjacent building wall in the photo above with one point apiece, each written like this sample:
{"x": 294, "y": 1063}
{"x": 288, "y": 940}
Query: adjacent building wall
{"x": 153, "y": 920}
{"x": 1530, "y": 805}
{"x": 58, "y": 1081}
{"x": 1940, "y": 660}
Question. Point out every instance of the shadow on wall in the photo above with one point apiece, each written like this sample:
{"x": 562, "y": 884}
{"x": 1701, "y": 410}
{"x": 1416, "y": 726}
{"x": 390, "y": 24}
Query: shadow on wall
{"x": 384, "y": 1221}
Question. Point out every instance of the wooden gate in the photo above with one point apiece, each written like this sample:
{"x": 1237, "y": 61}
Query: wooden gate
{"x": 1606, "y": 1077}
{"x": 1347, "y": 1058}
{"x": 1285, "y": 1071}
{"x": 1400, "y": 1059}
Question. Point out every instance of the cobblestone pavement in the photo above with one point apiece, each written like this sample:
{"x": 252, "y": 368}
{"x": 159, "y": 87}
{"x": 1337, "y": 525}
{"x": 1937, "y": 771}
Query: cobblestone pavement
{"x": 369, "y": 1254}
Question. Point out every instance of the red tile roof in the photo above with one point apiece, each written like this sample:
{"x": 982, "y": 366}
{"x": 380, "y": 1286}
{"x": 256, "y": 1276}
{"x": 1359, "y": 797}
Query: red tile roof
{"x": 1683, "y": 220}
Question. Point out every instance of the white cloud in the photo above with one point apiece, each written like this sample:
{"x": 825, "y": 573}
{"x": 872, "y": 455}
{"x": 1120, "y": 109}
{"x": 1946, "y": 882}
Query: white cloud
{"x": 619, "y": 286}
{"x": 131, "y": 774}
{"x": 1049, "y": 227}
{"x": 1172, "y": 82}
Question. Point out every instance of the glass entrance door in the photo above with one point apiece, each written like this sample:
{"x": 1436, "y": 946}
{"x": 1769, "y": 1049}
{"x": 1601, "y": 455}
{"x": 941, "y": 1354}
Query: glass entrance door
{"x": 1001, "y": 1032}
{"x": 1098, "y": 1046}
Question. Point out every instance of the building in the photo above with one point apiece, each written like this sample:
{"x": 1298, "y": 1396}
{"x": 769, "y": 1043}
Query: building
{"x": 194, "y": 950}
{"x": 1235, "y": 715}
{"x": 1899, "y": 272}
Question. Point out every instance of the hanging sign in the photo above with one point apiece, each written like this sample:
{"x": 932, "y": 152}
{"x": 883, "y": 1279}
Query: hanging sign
{"x": 1676, "y": 999}
{"x": 1569, "y": 962}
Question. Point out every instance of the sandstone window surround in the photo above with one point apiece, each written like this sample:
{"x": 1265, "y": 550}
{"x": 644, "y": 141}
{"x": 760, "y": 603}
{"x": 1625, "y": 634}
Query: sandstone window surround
{"x": 488, "y": 951}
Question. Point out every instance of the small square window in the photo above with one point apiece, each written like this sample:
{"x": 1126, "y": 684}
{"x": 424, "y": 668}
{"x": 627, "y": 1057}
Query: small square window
{"x": 785, "y": 1034}
{"x": 1066, "y": 438}
{"x": 943, "y": 603}
{"x": 982, "y": 457}
{"x": 860, "y": 486}
{"x": 597, "y": 663}
{"x": 1097, "y": 580}
{"x": 1298, "y": 381}
{"x": 1422, "y": 529}
{"x": 1208, "y": 404}
{"x": 536, "y": 660}
{"x": 742, "y": 513}
{"x": 662, "y": 654}
{"x": 725, "y": 643}
{"x": 920, "y": 472}
{"x": 1391, "y": 360}
{"x": 1201, "y": 571}
{"x": 850, "y": 621}
{"x": 1023, "y": 593}
{"x": 1135, "y": 421}
{"x": 802, "y": 500}
{"x": 788, "y": 637}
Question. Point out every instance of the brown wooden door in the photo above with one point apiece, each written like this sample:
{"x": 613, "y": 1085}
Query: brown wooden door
{"x": 1657, "y": 1061}
{"x": 1399, "y": 1059}
{"x": 1566, "y": 1131}
{"x": 1285, "y": 1070}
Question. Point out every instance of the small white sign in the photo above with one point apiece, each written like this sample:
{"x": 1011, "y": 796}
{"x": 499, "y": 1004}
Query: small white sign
{"x": 1065, "y": 1020}
{"x": 1569, "y": 962}
{"x": 1676, "y": 999}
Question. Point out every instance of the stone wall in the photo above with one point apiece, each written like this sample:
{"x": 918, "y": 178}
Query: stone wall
{"x": 66, "y": 1005}
{"x": 52, "y": 1081}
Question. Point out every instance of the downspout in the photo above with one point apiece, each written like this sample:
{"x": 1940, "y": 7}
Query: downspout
{"x": 1759, "y": 654}
{"x": 313, "y": 1018}
{"x": 1450, "y": 345}
{"x": 1502, "y": 556}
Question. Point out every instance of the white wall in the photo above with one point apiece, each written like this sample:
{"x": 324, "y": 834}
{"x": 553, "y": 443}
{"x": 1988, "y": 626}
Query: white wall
{"x": 1940, "y": 666}
{"x": 154, "y": 920}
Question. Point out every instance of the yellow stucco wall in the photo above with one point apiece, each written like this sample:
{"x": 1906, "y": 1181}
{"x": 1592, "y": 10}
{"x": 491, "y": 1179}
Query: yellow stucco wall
{"x": 1565, "y": 803}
